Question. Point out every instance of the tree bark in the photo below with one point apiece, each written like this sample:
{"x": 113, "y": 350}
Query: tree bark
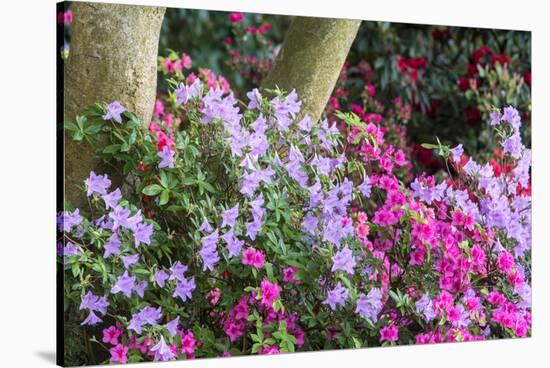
{"x": 311, "y": 58}
{"x": 113, "y": 56}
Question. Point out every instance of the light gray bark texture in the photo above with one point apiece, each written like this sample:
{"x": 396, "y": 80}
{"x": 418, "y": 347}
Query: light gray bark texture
{"x": 311, "y": 58}
{"x": 113, "y": 56}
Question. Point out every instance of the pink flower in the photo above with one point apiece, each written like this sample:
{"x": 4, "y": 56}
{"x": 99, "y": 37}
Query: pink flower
{"x": 270, "y": 292}
{"x": 187, "y": 342}
{"x": 186, "y": 60}
{"x": 253, "y": 258}
{"x": 505, "y": 261}
{"x": 289, "y": 273}
{"x": 236, "y": 17}
{"x": 111, "y": 335}
{"x": 271, "y": 349}
{"x": 119, "y": 354}
{"x": 362, "y": 217}
{"x": 215, "y": 295}
{"x": 362, "y": 230}
{"x": 389, "y": 333}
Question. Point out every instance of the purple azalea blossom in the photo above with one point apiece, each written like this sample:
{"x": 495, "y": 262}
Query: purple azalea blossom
{"x": 97, "y": 184}
{"x": 91, "y": 320}
{"x": 343, "y": 260}
{"x": 336, "y": 296}
{"x": 209, "y": 252}
{"x": 119, "y": 215}
{"x": 172, "y": 326}
{"x": 142, "y": 234}
{"x": 177, "y": 270}
{"x": 124, "y": 284}
{"x": 230, "y": 216}
{"x": 424, "y": 306}
{"x": 457, "y": 153}
{"x": 148, "y": 315}
{"x": 370, "y": 305}
{"x": 112, "y": 246}
{"x": 255, "y": 99}
{"x": 495, "y": 117}
{"x": 365, "y": 187}
{"x": 511, "y": 115}
{"x": 112, "y": 199}
{"x": 114, "y": 110}
{"x": 206, "y": 227}
{"x": 234, "y": 245}
{"x": 184, "y": 289}
{"x": 309, "y": 223}
{"x": 67, "y": 220}
{"x": 185, "y": 93}
{"x": 160, "y": 277}
{"x": 513, "y": 146}
{"x": 162, "y": 351}
{"x": 95, "y": 303}
{"x": 130, "y": 260}
{"x": 167, "y": 158}
{"x": 140, "y": 288}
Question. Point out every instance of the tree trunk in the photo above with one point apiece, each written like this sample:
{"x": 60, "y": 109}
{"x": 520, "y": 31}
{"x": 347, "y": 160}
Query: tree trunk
{"x": 310, "y": 61}
{"x": 113, "y": 56}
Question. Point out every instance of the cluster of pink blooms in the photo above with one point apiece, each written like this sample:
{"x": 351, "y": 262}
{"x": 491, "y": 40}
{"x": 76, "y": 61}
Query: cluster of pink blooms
{"x": 65, "y": 18}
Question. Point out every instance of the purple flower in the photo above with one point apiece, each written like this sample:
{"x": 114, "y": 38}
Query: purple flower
{"x": 142, "y": 233}
{"x": 427, "y": 193}
{"x": 184, "y": 93}
{"x": 162, "y": 351}
{"x": 130, "y": 260}
{"x": 230, "y": 216}
{"x": 513, "y": 145}
{"x": 234, "y": 244}
{"x": 66, "y": 220}
{"x": 365, "y": 187}
{"x": 424, "y": 306}
{"x": 112, "y": 246}
{"x": 323, "y": 164}
{"x": 120, "y": 217}
{"x": 305, "y": 124}
{"x": 222, "y": 108}
{"x": 112, "y": 199}
{"x": 172, "y": 326}
{"x": 140, "y": 288}
{"x": 114, "y": 109}
{"x": 94, "y": 303}
{"x": 70, "y": 250}
{"x": 167, "y": 158}
{"x": 97, "y": 184}
{"x": 286, "y": 109}
{"x": 457, "y": 153}
{"x": 184, "y": 289}
{"x": 255, "y": 99}
{"x": 177, "y": 270}
{"x": 343, "y": 260}
{"x": 124, "y": 284}
{"x": 91, "y": 320}
{"x": 148, "y": 315}
{"x": 511, "y": 115}
{"x": 336, "y": 296}
{"x": 206, "y": 227}
{"x": 495, "y": 117}
{"x": 160, "y": 277}
{"x": 209, "y": 252}
{"x": 309, "y": 223}
{"x": 370, "y": 305}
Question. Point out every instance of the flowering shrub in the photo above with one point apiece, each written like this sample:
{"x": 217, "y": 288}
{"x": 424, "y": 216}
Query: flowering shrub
{"x": 247, "y": 228}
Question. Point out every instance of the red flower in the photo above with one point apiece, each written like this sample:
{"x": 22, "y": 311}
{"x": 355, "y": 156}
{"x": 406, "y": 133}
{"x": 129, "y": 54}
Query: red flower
{"x": 236, "y": 17}
{"x": 527, "y": 77}
{"x": 473, "y": 116}
{"x": 480, "y": 54}
{"x": 441, "y": 35}
{"x": 500, "y": 58}
{"x": 417, "y": 63}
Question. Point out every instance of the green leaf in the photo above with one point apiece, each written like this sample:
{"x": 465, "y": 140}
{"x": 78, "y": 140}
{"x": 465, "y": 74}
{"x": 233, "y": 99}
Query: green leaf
{"x": 164, "y": 197}
{"x": 152, "y": 190}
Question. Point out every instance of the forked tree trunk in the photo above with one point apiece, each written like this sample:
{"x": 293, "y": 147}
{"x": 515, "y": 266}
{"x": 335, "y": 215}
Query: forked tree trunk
{"x": 310, "y": 61}
{"x": 113, "y": 56}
